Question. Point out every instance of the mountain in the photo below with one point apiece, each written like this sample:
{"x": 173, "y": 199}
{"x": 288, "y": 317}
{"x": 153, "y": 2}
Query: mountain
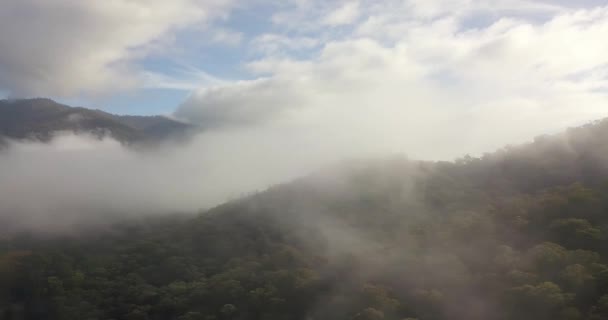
{"x": 40, "y": 119}
{"x": 516, "y": 234}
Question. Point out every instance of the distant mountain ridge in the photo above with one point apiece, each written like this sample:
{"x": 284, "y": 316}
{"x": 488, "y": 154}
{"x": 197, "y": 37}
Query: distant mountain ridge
{"x": 40, "y": 118}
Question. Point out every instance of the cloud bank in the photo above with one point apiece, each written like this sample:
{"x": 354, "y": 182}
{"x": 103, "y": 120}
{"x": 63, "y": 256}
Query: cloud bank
{"x": 430, "y": 85}
{"x": 77, "y": 180}
{"x": 71, "y": 47}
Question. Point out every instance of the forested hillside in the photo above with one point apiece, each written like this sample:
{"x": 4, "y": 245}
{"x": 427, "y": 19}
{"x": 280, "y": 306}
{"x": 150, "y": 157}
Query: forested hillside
{"x": 516, "y": 234}
{"x": 40, "y": 119}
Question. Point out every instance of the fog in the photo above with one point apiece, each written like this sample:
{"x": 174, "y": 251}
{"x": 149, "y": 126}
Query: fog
{"x": 77, "y": 179}
{"x": 248, "y": 143}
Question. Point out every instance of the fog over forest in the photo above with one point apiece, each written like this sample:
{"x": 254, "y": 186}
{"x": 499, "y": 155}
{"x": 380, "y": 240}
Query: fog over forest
{"x": 304, "y": 160}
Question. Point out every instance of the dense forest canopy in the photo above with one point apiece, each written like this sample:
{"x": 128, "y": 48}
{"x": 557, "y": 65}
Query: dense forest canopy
{"x": 516, "y": 234}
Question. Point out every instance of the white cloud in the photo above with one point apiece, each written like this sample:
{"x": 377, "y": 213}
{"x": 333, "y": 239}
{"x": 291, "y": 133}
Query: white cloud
{"x": 227, "y": 37}
{"x": 184, "y": 78}
{"x": 271, "y": 44}
{"x": 67, "y": 47}
{"x": 78, "y": 181}
{"x": 313, "y": 16}
{"x": 436, "y": 90}
{"x": 345, "y": 14}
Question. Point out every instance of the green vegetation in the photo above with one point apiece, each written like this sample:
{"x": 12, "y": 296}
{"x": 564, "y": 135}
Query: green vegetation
{"x": 517, "y": 234}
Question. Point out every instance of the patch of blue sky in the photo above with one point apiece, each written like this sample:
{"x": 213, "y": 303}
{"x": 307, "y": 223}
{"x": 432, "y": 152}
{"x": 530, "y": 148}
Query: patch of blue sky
{"x": 484, "y": 19}
{"x": 478, "y": 21}
{"x": 194, "y": 61}
{"x": 196, "y": 48}
{"x": 136, "y": 102}
{"x": 575, "y": 3}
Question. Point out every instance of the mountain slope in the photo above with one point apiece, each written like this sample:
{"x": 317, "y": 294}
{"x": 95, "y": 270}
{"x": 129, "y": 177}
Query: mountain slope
{"x": 516, "y": 234}
{"x": 39, "y": 119}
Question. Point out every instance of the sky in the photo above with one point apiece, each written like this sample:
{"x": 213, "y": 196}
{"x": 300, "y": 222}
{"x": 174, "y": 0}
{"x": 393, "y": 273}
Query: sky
{"x": 515, "y": 68}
